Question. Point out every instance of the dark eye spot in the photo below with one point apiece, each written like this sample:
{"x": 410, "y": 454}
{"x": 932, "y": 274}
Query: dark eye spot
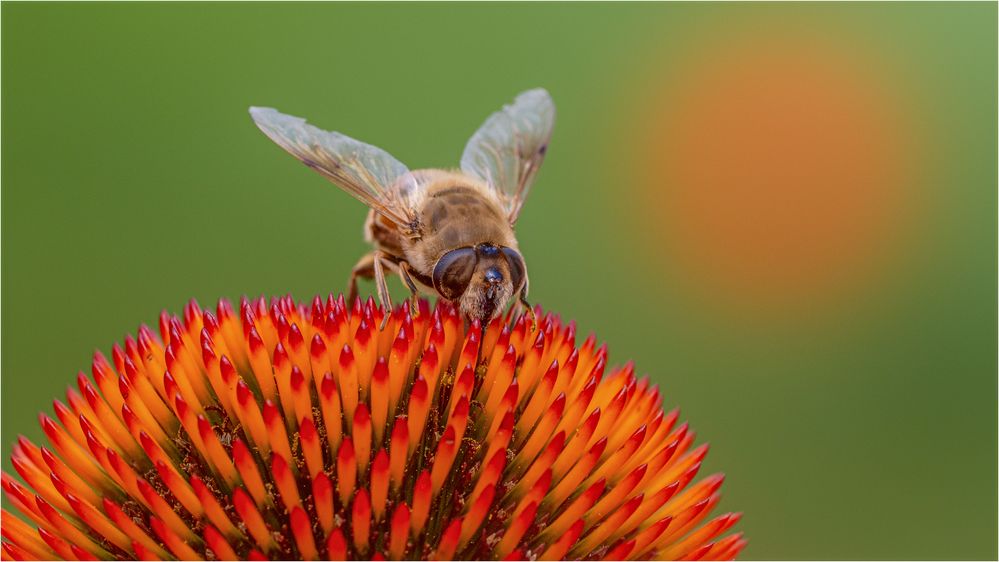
{"x": 488, "y": 250}
{"x": 518, "y": 270}
{"x": 493, "y": 276}
{"x": 453, "y": 272}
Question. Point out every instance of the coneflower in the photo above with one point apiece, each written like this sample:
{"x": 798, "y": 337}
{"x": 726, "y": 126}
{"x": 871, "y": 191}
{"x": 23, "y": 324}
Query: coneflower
{"x": 289, "y": 431}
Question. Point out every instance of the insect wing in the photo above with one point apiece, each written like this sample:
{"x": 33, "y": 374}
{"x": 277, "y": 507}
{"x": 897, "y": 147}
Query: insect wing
{"x": 507, "y": 150}
{"x": 367, "y": 172}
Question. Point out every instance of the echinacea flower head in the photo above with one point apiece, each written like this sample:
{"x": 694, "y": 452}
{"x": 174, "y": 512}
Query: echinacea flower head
{"x": 291, "y": 431}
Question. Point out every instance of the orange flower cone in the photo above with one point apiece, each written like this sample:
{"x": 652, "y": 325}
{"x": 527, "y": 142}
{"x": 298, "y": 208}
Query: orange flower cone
{"x": 289, "y": 431}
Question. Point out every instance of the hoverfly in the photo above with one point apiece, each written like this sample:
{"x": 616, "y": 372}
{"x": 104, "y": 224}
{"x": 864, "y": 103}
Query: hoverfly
{"x": 444, "y": 232}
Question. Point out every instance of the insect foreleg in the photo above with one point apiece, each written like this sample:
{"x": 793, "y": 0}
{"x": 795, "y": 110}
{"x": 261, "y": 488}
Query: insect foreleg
{"x": 372, "y": 266}
{"x": 522, "y": 301}
{"x": 381, "y": 285}
{"x": 365, "y": 267}
{"x": 413, "y": 291}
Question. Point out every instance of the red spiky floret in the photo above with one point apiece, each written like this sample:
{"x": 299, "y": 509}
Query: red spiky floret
{"x": 303, "y": 431}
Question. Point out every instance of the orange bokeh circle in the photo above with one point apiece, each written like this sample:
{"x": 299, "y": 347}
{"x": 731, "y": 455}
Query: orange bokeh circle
{"x": 777, "y": 172}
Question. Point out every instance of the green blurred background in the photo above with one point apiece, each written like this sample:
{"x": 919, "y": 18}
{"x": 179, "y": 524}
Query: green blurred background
{"x": 820, "y": 304}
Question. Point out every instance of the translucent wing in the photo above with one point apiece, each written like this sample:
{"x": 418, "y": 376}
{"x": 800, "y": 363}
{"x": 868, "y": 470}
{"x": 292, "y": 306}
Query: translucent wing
{"x": 509, "y": 147}
{"x": 366, "y": 172}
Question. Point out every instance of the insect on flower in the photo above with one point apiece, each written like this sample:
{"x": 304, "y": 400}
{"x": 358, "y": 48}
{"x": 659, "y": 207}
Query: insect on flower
{"x": 445, "y": 233}
{"x": 302, "y": 431}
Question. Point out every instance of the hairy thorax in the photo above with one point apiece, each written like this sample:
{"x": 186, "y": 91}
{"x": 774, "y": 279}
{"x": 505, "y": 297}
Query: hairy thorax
{"x": 454, "y": 211}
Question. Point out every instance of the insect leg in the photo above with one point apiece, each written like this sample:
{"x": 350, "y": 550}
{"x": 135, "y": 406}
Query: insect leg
{"x": 365, "y": 267}
{"x": 384, "y": 298}
{"x": 522, "y": 301}
{"x": 413, "y": 291}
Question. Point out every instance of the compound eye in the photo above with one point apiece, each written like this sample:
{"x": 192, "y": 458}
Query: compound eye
{"x": 453, "y": 272}
{"x": 518, "y": 270}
